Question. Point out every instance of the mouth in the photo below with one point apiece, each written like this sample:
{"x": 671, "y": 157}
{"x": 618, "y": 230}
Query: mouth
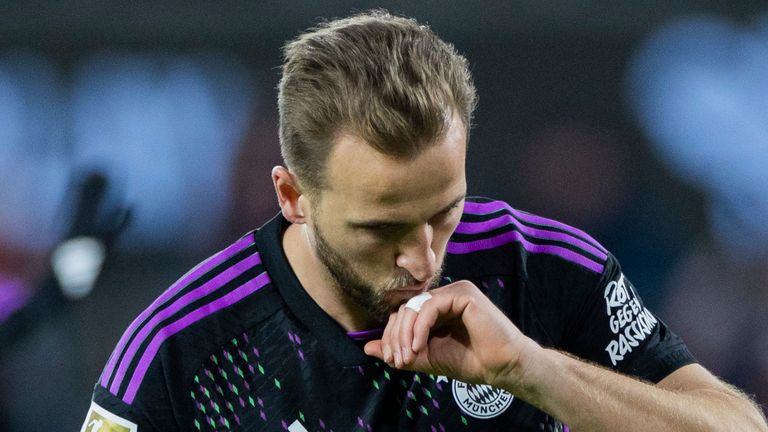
{"x": 403, "y": 294}
{"x": 416, "y": 288}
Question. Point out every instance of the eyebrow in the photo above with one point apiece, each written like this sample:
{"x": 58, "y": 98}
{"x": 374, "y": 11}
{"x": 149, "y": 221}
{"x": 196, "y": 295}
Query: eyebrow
{"x": 375, "y": 223}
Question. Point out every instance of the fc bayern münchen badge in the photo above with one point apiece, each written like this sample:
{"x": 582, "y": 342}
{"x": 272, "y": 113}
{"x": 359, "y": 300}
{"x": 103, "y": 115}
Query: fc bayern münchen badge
{"x": 481, "y": 400}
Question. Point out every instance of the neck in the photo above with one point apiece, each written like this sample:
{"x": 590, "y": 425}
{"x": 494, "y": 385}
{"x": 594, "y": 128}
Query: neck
{"x": 318, "y": 283}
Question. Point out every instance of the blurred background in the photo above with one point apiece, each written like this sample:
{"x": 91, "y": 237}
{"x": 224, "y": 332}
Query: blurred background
{"x": 137, "y": 139}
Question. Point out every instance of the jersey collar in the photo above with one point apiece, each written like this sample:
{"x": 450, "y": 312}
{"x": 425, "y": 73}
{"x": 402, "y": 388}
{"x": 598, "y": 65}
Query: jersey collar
{"x": 331, "y": 336}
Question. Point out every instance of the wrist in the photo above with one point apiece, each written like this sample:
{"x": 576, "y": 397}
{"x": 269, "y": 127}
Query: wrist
{"x": 521, "y": 373}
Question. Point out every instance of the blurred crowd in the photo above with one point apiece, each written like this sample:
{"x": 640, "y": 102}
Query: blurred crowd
{"x": 162, "y": 158}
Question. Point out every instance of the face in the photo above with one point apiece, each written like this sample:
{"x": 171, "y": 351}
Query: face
{"x": 381, "y": 226}
{"x": 376, "y": 301}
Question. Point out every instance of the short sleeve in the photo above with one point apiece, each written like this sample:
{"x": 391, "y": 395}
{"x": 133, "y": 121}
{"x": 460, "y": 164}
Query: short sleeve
{"x": 109, "y": 414}
{"x": 613, "y": 328}
{"x": 150, "y": 411}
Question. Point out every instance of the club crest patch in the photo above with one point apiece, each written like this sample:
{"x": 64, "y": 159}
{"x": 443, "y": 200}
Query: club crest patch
{"x": 101, "y": 420}
{"x": 481, "y": 400}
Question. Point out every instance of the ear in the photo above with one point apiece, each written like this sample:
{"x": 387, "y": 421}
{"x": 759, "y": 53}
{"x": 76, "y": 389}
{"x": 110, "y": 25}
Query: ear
{"x": 288, "y": 194}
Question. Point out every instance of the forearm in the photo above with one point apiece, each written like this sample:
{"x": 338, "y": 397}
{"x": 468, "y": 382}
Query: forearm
{"x": 589, "y": 398}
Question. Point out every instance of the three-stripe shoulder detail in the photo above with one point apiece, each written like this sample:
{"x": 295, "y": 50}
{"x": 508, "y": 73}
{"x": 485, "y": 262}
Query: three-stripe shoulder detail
{"x": 491, "y": 224}
{"x": 219, "y": 282}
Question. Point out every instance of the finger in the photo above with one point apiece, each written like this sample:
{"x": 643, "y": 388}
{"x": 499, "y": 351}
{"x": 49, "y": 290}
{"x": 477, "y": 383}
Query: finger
{"x": 446, "y": 303}
{"x": 407, "y": 318}
{"x": 423, "y": 324}
{"x": 386, "y": 339}
{"x": 397, "y": 350}
{"x": 373, "y": 348}
{"x": 421, "y": 363}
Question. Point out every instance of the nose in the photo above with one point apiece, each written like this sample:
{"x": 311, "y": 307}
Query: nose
{"x": 417, "y": 256}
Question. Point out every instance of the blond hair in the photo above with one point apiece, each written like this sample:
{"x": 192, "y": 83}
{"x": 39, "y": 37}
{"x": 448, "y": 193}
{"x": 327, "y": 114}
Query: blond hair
{"x": 386, "y": 79}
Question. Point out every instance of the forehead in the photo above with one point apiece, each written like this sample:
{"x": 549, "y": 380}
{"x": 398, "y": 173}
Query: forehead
{"x": 364, "y": 182}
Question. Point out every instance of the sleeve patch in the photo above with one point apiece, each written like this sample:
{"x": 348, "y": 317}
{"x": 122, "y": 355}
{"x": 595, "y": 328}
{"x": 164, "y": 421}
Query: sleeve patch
{"x": 629, "y": 321}
{"x": 101, "y": 420}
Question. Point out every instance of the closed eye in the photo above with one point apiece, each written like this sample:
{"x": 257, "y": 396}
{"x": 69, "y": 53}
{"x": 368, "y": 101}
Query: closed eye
{"x": 391, "y": 228}
{"x": 385, "y": 229}
{"x": 447, "y": 211}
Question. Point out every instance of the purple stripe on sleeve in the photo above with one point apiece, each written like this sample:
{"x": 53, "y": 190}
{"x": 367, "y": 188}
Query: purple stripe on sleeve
{"x": 185, "y": 280}
{"x": 166, "y": 332}
{"x": 207, "y": 288}
{"x": 505, "y": 219}
{"x": 490, "y": 207}
{"x": 512, "y": 236}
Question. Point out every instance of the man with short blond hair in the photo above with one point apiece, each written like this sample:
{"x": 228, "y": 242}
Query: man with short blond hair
{"x": 383, "y": 298}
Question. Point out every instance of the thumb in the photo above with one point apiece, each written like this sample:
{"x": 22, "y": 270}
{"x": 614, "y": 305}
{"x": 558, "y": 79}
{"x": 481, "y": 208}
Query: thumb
{"x": 373, "y": 348}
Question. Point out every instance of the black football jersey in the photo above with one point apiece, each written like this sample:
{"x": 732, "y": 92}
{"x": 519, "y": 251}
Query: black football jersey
{"x": 238, "y": 345}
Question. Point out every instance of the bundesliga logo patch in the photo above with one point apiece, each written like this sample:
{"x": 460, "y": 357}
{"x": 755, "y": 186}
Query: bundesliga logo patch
{"x": 101, "y": 420}
{"x": 481, "y": 400}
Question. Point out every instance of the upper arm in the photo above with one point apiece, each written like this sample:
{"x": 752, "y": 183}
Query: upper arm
{"x": 612, "y": 327}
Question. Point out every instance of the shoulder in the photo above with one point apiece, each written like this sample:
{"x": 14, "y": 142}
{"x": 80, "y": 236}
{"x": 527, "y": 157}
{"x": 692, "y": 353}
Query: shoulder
{"x": 493, "y": 236}
{"x": 552, "y": 271}
{"x": 221, "y": 297}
